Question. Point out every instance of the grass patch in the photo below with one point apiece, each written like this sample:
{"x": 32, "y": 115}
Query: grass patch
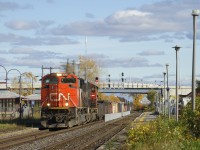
{"x": 9, "y": 127}
{"x": 16, "y": 124}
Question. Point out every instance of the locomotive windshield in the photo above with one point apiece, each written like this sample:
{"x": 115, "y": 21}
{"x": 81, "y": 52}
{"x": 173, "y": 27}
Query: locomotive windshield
{"x": 68, "y": 80}
{"x": 51, "y": 81}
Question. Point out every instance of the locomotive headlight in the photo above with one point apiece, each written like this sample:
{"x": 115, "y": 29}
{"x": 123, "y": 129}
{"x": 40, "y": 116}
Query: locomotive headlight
{"x": 48, "y": 104}
{"x": 66, "y": 104}
{"x": 59, "y": 74}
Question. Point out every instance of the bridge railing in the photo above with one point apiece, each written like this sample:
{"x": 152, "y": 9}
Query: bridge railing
{"x": 117, "y": 85}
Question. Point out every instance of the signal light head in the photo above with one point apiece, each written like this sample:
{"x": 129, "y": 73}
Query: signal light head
{"x": 97, "y": 80}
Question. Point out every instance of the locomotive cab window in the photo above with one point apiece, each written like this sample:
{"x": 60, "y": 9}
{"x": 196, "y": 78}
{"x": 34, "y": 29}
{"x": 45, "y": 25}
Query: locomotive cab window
{"x": 68, "y": 80}
{"x": 54, "y": 80}
{"x": 51, "y": 81}
{"x": 47, "y": 81}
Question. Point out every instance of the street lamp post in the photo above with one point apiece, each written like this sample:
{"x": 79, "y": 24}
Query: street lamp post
{"x": 6, "y": 76}
{"x": 167, "y": 65}
{"x": 195, "y": 13}
{"x": 177, "y": 99}
{"x": 20, "y": 88}
{"x": 164, "y": 73}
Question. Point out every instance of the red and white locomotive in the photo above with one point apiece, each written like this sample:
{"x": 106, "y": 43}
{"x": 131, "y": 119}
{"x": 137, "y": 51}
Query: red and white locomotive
{"x": 67, "y": 100}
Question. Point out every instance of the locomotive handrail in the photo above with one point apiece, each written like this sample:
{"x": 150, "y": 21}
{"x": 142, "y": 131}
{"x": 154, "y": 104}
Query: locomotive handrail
{"x": 72, "y": 102}
{"x": 44, "y": 101}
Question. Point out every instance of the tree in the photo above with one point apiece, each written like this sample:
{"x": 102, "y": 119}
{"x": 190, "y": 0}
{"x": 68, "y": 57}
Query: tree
{"x": 86, "y": 66}
{"x": 102, "y": 96}
{"x": 137, "y": 104}
{"x": 198, "y": 87}
{"x": 26, "y": 83}
{"x": 111, "y": 98}
{"x": 114, "y": 98}
{"x": 151, "y": 96}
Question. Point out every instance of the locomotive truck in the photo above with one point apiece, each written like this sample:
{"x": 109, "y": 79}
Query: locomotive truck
{"x": 67, "y": 100}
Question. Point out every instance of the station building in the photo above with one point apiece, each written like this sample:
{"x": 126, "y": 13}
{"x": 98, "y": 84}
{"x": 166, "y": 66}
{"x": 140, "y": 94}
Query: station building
{"x": 10, "y": 104}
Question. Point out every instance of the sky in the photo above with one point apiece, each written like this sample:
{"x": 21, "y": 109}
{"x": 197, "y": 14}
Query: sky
{"x": 130, "y": 36}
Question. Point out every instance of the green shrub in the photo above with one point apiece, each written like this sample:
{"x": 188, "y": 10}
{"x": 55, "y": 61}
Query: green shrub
{"x": 192, "y": 118}
{"x": 161, "y": 134}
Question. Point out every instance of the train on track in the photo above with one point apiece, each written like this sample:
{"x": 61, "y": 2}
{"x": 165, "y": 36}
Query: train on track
{"x": 67, "y": 100}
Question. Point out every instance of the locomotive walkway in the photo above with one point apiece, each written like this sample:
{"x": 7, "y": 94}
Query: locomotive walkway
{"x": 119, "y": 140}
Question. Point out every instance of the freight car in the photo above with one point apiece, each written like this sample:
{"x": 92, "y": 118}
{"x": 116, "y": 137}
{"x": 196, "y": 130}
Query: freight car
{"x": 67, "y": 100}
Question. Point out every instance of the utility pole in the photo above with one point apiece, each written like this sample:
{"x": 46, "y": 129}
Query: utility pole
{"x": 177, "y": 99}
{"x": 195, "y": 13}
{"x": 50, "y": 69}
{"x": 164, "y": 88}
{"x": 167, "y": 65}
{"x": 86, "y": 72}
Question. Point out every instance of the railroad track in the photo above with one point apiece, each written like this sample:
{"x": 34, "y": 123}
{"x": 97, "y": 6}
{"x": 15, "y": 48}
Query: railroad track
{"x": 30, "y": 137}
{"x": 19, "y": 139}
{"x": 88, "y": 136}
{"x": 92, "y": 139}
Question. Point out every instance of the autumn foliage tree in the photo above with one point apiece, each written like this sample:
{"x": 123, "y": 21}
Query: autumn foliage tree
{"x": 26, "y": 82}
{"x": 151, "y": 96}
{"x": 137, "y": 102}
{"x": 111, "y": 98}
{"x": 87, "y": 67}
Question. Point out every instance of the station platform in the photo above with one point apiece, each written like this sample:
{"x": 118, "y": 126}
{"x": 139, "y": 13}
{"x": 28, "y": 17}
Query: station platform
{"x": 118, "y": 140}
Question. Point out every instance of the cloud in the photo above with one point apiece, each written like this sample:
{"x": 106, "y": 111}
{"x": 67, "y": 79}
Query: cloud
{"x": 4, "y": 6}
{"x": 36, "y": 63}
{"x": 32, "y": 54}
{"x": 89, "y": 15}
{"x": 151, "y": 52}
{"x": 22, "y": 25}
{"x": 126, "y": 63}
{"x": 45, "y": 23}
{"x": 22, "y": 40}
{"x": 29, "y": 57}
{"x": 22, "y": 51}
{"x": 3, "y": 52}
{"x": 45, "y": 41}
{"x": 10, "y": 37}
{"x": 126, "y": 17}
{"x": 4, "y": 61}
{"x": 149, "y": 22}
{"x": 189, "y": 35}
{"x": 28, "y": 25}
